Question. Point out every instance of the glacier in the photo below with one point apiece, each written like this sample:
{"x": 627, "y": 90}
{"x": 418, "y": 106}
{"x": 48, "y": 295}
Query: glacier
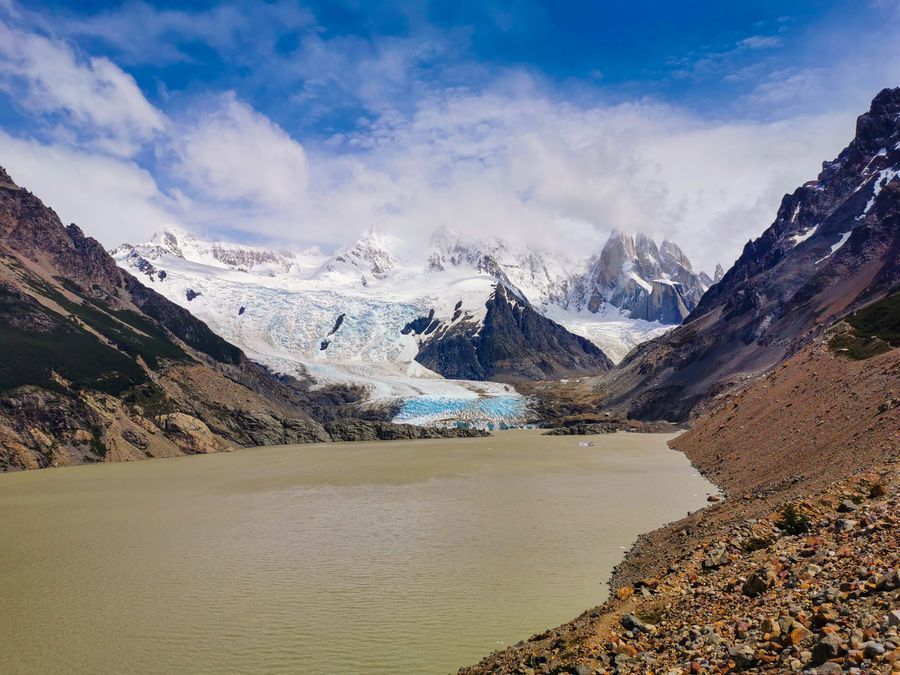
{"x": 338, "y": 318}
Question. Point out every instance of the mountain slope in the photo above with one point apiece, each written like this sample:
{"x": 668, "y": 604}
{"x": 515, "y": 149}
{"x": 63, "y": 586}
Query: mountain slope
{"x": 833, "y": 246}
{"x": 97, "y": 367}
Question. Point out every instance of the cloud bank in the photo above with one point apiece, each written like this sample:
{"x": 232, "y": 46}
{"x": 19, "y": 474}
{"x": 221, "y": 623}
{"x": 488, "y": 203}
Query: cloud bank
{"x": 515, "y": 156}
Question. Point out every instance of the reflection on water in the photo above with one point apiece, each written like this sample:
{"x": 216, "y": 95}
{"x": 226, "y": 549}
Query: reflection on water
{"x": 413, "y": 556}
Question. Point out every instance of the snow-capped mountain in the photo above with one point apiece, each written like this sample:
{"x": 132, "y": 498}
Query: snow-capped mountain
{"x": 363, "y": 314}
{"x": 222, "y": 255}
{"x": 832, "y": 248}
{"x": 631, "y": 273}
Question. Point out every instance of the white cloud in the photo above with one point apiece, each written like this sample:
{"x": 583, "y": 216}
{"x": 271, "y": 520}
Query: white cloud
{"x": 111, "y": 199}
{"x": 514, "y": 162}
{"x": 143, "y": 33}
{"x": 529, "y": 167}
{"x": 507, "y": 158}
{"x": 93, "y": 96}
{"x": 233, "y": 154}
{"x": 760, "y": 42}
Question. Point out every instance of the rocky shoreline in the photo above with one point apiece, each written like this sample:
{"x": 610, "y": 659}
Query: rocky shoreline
{"x": 810, "y": 588}
{"x": 796, "y": 570}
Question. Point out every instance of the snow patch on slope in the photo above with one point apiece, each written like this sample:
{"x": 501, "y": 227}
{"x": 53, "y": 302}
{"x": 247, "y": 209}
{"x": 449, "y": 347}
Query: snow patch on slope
{"x": 800, "y": 237}
{"x": 834, "y": 249}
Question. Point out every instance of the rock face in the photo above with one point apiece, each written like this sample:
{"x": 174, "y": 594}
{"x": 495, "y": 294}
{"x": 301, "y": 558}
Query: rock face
{"x": 631, "y": 273}
{"x": 512, "y": 342}
{"x": 833, "y": 247}
{"x": 359, "y": 430}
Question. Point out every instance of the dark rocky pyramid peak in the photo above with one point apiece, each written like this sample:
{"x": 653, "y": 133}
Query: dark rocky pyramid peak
{"x": 876, "y": 128}
{"x": 832, "y": 248}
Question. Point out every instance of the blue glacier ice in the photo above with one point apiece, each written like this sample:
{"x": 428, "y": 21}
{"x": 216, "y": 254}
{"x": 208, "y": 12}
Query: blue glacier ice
{"x": 484, "y": 412}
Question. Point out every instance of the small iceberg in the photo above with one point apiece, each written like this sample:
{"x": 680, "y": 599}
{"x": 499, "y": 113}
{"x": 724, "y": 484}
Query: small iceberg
{"x": 585, "y": 444}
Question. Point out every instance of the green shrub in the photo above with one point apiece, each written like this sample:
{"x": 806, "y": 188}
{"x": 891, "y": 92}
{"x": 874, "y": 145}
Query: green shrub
{"x": 792, "y": 521}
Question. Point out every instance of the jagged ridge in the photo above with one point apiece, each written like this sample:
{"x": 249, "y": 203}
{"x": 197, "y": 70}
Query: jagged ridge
{"x": 833, "y": 246}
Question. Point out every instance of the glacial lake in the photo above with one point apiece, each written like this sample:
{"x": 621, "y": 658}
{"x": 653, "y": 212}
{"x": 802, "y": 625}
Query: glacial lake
{"x": 395, "y": 557}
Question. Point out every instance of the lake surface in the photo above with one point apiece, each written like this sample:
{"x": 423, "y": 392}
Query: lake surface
{"x": 401, "y": 557}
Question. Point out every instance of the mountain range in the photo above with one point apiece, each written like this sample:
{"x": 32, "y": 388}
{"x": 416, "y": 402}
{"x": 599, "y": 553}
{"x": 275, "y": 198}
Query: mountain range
{"x": 469, "y": 310}
{"x": 184, "y": 345}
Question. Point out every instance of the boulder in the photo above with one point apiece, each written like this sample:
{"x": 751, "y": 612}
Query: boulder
{"x": 847, "y": 506}
{"x": 843, "y": 525}
{"x": 715, "y": 557}
{"x": 759, "y": 582}
{"x": 828, "y": 647}
{"x": 632, "y": 623}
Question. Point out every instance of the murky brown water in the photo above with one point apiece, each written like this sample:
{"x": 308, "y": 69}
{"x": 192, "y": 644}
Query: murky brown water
{"x": 407, "y": 557}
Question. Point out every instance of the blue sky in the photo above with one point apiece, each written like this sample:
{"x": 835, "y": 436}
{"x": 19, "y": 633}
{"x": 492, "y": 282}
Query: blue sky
{"x": 309, "y": 122}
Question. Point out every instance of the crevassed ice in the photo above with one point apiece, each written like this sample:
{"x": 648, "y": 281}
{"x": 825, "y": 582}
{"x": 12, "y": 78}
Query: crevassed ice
{"x": 485, "y": 412}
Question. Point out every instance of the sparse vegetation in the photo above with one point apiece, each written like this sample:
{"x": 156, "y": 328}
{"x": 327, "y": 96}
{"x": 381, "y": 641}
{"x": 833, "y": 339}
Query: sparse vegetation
{"x": 98, "y": 447}
{"x": 63, "y": 347}
{"x": 792, "y": 521}
{"x": 76, "y": 356}
{"x": 873, "y": 330}
{"x": 152, "y": 399}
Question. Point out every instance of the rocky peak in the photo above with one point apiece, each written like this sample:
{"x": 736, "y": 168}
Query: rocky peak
{"x": 671, "y": 255}
{"x": 618, "y": 253}
{"x": 632, "y": 273}
{"x": 832, "y": 248}
{"x": 718, "y": 274}
{"x": 512, "y": 342}
{"x": 451, "y": 249}
{"x": 647, "y": 254}
{"x": 879, "y": 125}
{"x": 815, "y": 220}
{"x": 371, "y": 254}
{"x": 5, "y": 180}
{"x": 169, "y": 239}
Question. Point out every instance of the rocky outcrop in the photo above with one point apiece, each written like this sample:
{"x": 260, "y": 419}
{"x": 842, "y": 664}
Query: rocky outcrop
{"x": 512, "y": 342}
{"x": 583, "y": 429}
{"x": 719, "y": 273}
{"x": 189, "y": 433}
{"x": 362, "y": 430}
{"x": 833, "y": 247}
